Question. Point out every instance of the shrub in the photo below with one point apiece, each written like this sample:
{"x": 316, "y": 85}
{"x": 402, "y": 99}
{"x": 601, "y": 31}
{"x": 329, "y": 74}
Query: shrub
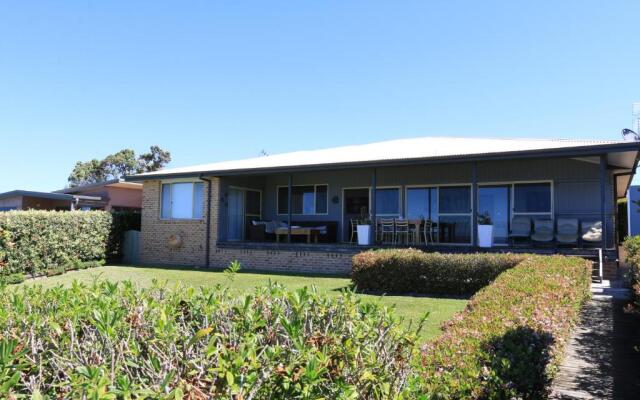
{"x": 113, "y": 340}
{"x": 13, "y": 279}
{"x": 508, "y": 341}
{"x": 414, "y": 271}
{"x": 632, "y": 247}
{"x": 33, "y": 241}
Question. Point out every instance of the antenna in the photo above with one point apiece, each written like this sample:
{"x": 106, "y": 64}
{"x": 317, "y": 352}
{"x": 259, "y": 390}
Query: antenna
{"x": 630, "y": 136}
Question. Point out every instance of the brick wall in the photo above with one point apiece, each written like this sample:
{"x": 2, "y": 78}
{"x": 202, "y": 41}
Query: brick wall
{"x": 316, "y": 262}
{"x": 155, "y": 234}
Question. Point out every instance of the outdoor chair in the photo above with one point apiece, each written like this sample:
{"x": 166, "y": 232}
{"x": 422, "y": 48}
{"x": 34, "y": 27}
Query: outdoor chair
{"x": 520, "y": 228}
{"x": 354, "y": 230}
{"x": 402, "y": 231}
{"x": 542, "y": 231}
{"x": 427, "y": 232}
{"x": 592, "y": 232}
{"x": 387, "y": 230}
{"x": 567, "y": 231}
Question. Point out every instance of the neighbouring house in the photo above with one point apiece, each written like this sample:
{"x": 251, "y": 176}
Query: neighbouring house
{"x": 113, "y": 195}
{"x": 298, "y": 211}
{"x": 30, "y": 200}
{"x": 633, "y": 210}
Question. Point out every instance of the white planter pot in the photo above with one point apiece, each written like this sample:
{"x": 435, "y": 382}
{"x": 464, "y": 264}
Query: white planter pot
{"x": 364, "y": 235}
{"x": 485, "y": 235}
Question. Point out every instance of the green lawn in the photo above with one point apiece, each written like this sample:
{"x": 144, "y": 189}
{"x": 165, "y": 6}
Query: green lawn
{"x": 411, "y": 308}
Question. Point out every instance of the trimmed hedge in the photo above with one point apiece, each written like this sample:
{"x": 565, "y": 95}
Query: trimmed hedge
{"x": 414, "y": 271}
{"x": 114, "y": 340}
{"x": 34, "y": 242}
{"x": 509, "y": 340}
{"x": 632, "y": 247}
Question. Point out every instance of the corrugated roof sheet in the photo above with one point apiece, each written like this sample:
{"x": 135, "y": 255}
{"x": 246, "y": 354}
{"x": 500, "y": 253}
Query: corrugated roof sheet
{"x": 400, "y": 149}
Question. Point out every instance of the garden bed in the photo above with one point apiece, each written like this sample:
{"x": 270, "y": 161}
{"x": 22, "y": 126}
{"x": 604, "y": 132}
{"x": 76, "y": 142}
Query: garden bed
{"x": 511, "y": 337}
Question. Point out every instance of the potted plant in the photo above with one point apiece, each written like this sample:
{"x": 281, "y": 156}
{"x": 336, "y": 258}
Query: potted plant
{"x": 364, "y": 228}
{"x": 485, "y": 230}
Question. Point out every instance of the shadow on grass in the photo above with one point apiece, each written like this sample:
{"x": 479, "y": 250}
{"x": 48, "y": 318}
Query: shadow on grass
{"x": 404, "y": 294}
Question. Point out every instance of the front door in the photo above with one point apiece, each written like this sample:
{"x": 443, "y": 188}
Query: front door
{"x": 355, "y": 203}
{"x": 235, "y": 215}
{"x": 493, "y": 201}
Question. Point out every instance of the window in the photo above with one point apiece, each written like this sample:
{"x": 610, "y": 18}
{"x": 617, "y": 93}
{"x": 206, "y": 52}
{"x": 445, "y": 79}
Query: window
{"x": 388, "y": 201}
{"x": 184, "y": 200}
{"x": 532, "y": 198}
{"x": 422, "y": 203}
{"x": 455, "y": 199}
{"x": 305, "y": 200}
{"x": 454, "y": 219}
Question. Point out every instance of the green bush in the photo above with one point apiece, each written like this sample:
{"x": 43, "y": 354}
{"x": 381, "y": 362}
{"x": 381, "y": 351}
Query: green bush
{"x": 113, "y": 340}
{"x": 12, "y": 279}
{"x": 414, "y": 271}
{"x": 632, "y": 247}
{"x": 508, "y": 341}
{"x": 34, "y": 241}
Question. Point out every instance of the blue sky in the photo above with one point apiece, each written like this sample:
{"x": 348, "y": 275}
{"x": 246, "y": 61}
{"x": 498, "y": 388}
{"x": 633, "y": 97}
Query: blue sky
{"x": 213, "y": 81}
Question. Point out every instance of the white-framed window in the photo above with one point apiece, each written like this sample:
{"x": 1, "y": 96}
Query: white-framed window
{"x": 182, "y": 200}
{"x": 388, "y": 201}
{"x": 305, "y": 199}
{"x": 533, "y": 198}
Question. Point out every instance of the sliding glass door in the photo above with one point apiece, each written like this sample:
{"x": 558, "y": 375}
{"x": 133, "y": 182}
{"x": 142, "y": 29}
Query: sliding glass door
{"x": 244, "y": 206}
{"x": 494, "y": 202}
{"x": 454, "y": 212}
{"x": 422, "y": 203}
{"x": 235, "y": 215}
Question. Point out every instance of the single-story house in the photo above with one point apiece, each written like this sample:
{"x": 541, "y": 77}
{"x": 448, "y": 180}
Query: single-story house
{"x": 30, "y": 200}
{"x": 112, "y": 195}
{"x": 298, "y": 211}
{"x": 633, "y": 210}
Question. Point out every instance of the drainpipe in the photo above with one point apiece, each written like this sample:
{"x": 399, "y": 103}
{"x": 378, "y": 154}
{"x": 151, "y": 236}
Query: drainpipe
{"x": 207, "y": 246}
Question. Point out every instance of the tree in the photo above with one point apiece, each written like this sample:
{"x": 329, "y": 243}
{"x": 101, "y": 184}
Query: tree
{"x": 153, "y": 160}
{"x": 118, "y": 165}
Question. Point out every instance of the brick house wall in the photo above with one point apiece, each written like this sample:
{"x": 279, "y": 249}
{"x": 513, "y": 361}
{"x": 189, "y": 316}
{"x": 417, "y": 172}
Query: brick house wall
{"x": 156, "y": 232}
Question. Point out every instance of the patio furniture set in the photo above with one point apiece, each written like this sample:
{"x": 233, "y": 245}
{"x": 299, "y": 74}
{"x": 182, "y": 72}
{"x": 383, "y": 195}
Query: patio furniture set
{"x": 569, "y": 231}
{"x": 400, "y": 231}
{"x": 524, "y": 230}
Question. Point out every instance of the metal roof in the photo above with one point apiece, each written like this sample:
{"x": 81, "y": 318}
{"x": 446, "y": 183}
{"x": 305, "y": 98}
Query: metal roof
{"x": 110, "y": 183}
{"x": 421, "y": 149}
{"x": 45, "y": 195}
{"x": 40, "y": 195}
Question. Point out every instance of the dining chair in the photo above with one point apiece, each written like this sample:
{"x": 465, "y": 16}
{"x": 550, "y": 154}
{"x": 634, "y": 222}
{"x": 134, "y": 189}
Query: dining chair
{"x": 402, "y": 231}
{"x": 387, "y": 230}
{"x": 427, "y": 232}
